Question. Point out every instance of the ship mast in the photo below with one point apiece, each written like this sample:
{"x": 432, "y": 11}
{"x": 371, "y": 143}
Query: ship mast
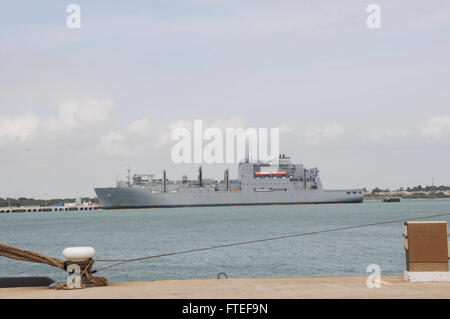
{"x": 200, "y": 177}
{"x": 227, "y": 178}
{"x": 246, "y": 150}
{"x": 164, "y": 182}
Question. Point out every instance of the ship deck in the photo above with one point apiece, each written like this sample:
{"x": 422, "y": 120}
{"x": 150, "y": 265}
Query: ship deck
{"x": 272, "y": 288}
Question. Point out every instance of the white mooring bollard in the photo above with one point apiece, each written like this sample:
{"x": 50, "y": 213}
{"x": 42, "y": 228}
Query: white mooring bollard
{"x": 76, "y": 255}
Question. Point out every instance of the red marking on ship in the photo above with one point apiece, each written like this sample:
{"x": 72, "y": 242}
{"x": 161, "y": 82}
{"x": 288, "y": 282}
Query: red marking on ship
{"x": 269, "y": 173}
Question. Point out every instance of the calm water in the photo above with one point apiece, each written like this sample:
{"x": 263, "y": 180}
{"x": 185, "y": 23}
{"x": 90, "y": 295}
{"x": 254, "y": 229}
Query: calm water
{"x": 135, "y": 233}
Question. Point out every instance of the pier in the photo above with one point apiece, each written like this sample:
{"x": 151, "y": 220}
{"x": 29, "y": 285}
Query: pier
{"x": 246, "y": 288}
{"x": 38, "y": 209}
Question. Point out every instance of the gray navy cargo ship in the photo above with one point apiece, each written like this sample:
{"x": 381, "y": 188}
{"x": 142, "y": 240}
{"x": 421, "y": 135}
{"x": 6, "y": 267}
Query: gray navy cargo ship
{"x": 258, "y": 183}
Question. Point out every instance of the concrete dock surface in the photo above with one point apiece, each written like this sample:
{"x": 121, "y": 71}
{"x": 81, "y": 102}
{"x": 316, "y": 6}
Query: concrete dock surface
{"x": 252, "y": 288}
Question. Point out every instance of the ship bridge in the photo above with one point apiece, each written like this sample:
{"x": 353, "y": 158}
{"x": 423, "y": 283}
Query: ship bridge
{"x": 284, "y": 175}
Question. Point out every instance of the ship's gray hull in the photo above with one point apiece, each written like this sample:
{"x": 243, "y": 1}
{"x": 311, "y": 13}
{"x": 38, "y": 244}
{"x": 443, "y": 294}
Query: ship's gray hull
{"x": 133, "y": 197}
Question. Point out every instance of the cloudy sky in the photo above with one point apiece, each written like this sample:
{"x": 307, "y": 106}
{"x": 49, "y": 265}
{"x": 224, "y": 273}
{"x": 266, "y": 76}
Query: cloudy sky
{"x": 369, "y": 107}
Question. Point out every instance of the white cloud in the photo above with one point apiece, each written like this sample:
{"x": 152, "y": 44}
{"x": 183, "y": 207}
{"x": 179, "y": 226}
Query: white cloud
{"x": 20, "y": 127}
{"x": 112, "y": 143}
{"x": 389, "y": 135}
{"x": 316, "y": 135}
{"x": 141, "y": 128}
{"x": 286, "y": 128}
{"x": 77, "y": 125}
{"x": 233, "y": 122}
{"x": 164, "y": 134}
{"x": 437, "y": 128}
{"x": 76, "y": 114}
{"x": 183, "y": 124}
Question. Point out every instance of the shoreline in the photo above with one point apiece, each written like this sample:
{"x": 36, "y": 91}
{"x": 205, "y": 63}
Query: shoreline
{"x": 29, "y": 209}
{"x": 403, "y": 199}
{"x": 333, "y": 287}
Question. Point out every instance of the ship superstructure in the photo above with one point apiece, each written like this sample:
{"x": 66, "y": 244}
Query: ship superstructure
{"x": 258, "y": 183}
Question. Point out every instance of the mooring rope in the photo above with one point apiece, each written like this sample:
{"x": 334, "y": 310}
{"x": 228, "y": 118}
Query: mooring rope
{"x": 29, "y": 255}
{"x": 123, "y": 261}
{"x": 32, "y": 256}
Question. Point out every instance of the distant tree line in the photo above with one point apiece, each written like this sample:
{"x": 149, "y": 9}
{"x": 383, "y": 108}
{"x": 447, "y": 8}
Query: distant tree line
{"x": 377, "y": 190}
{"x": 415, "y": 192}
{"x": 427, "y": 188}
{"x": 418, "y": 188}
{"x": 23, "y": 201}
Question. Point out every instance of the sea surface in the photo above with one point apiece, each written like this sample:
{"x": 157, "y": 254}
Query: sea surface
{"x": 123, "y": 234}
